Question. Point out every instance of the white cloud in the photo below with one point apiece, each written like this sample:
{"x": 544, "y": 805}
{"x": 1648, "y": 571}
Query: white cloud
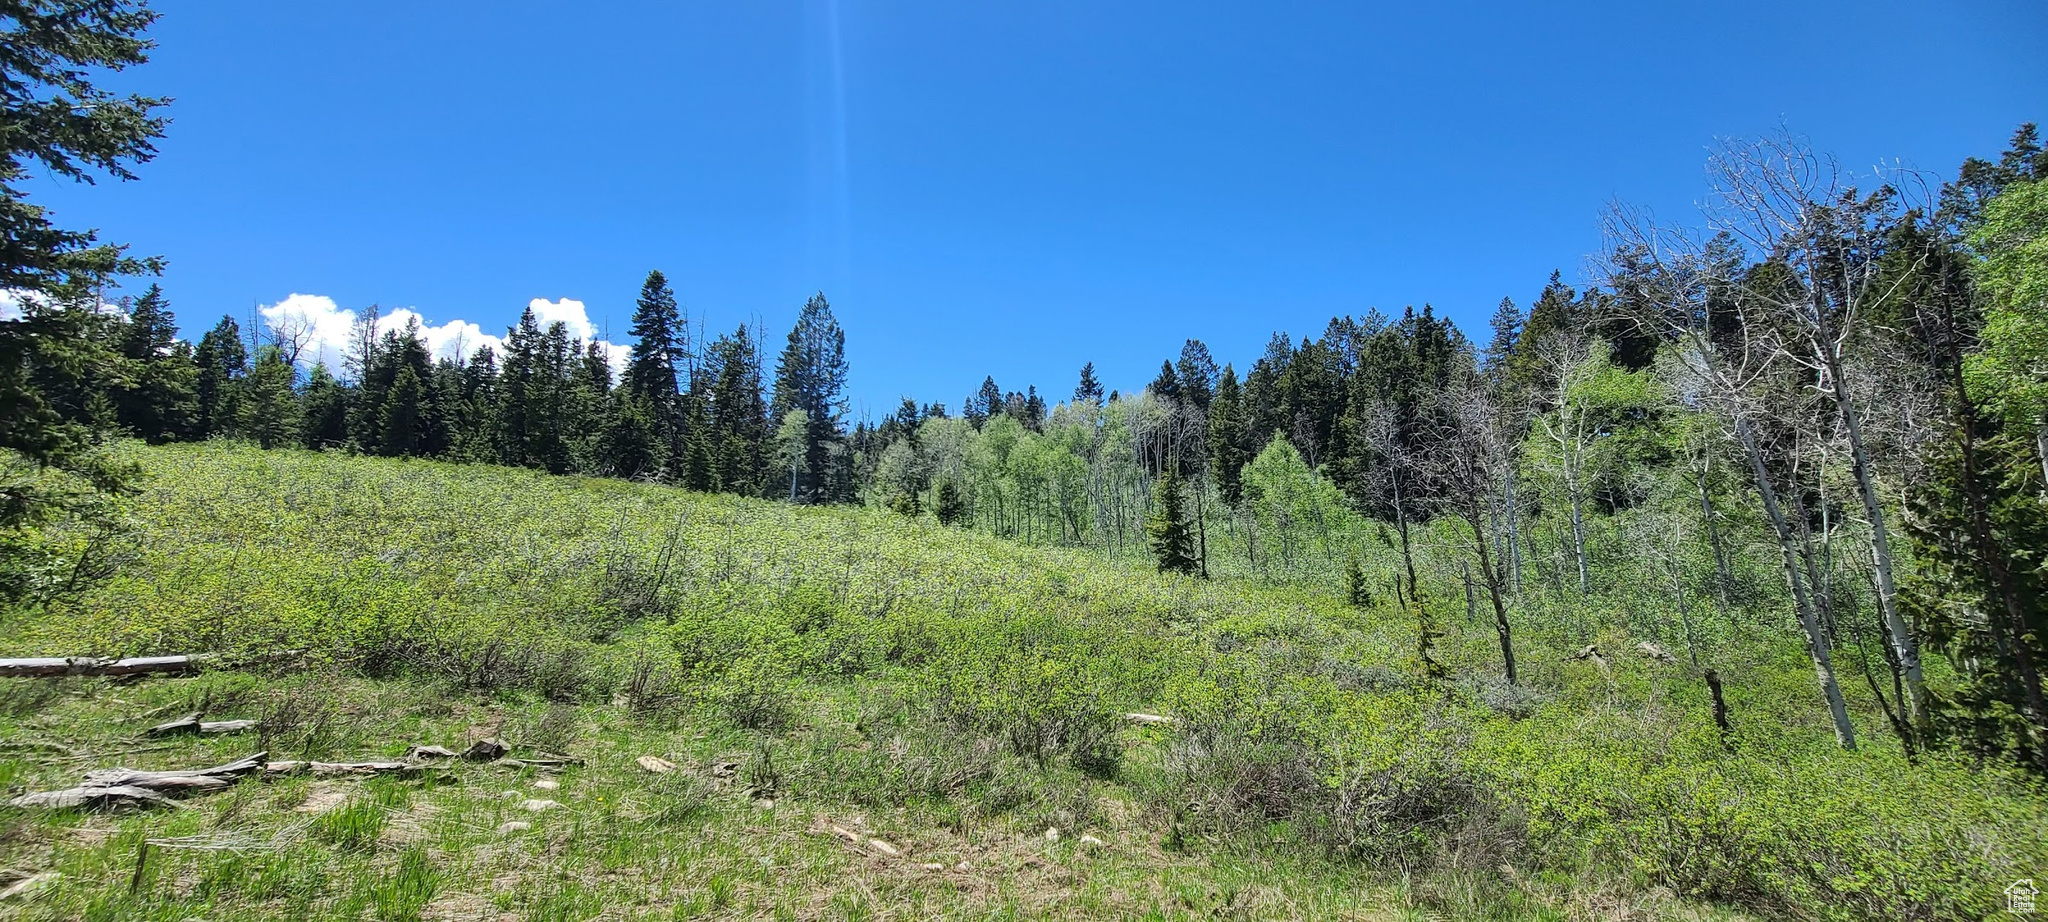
{"x": 11, "y": 300}
{"x": 327, "y": 327}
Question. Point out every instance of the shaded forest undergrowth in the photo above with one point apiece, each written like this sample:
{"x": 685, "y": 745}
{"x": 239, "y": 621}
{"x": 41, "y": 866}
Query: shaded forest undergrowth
{"x": 960, "y": 697}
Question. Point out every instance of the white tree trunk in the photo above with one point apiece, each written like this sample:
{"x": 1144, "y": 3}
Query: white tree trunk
{"x": 1905, "y": 648}
{"x": 1816, "y": 641}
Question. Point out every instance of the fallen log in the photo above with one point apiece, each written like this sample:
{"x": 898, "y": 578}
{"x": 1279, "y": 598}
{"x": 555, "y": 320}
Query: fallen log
{"x": 1155, "y": 719}
{"x": 35, "y": 667}
{"x": 191, "y": 723}
{"x": 333, "y": 769}
{"x": 541, "y": 762}
{"x": 232, "y": 771}
{"x": 128, "y": 787}
{"x": 93, "y": 798}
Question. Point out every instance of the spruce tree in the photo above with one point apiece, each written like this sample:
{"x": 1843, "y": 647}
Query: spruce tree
{"x": 222, "y": 359}
{"x": 950, "y": 505}
{"x": 269, "y": 409}
{"x": 1089, "y": 391}
{"x": 1168, "y": 526}
{"x": 323, "y": 417}
{"x": 400, "y": 417}
{"x": 737, "y": 414}
{"x": 811, "y": 376}
{"x": 155, "y": 399}
{"x": 60, "y": 125}
{"x": 660, "y": 344}
{"x": 1226, "y": 437}
{"x": 520, "y": 405}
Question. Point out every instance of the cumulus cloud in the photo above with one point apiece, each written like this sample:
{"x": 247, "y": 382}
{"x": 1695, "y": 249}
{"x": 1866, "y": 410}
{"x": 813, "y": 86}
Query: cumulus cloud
{"x": 11, "y": 300}
{"x": 325, "y": 327}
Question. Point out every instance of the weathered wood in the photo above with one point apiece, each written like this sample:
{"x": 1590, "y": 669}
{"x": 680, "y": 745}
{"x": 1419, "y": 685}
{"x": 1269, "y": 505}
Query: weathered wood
{"x": 33, "y": 667}
{"x": 1137, "y": 718}
{"x": 332, "y": 769}
{"x": 114, "y": 777}
{"x": 91, "y": 798}
{"x": 542, "y": 763}
{"x": 125, "y": 787}
{"x": 47, "y": 666}
{"x": 485, "y": 751}
{"x": 1655, "y": 652}
{"x": 191, "y": 723}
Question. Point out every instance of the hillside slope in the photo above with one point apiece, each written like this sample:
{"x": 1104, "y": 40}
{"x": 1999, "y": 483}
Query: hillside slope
{"x": 823, "y": 672}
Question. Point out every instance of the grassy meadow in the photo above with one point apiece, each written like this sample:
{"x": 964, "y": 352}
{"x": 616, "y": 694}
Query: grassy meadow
{"x": 816, "y": 673}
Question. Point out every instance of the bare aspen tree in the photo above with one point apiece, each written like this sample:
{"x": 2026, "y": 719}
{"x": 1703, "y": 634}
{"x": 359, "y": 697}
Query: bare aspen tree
{"x": 1569, "y": 432}
{"x": 1722, "y": 365}
{"x": 1799, "y": 210}
{"x": 1464, "y": 466}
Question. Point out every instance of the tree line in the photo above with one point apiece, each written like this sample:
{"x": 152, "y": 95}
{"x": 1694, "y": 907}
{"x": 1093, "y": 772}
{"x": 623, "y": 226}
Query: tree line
{"x": 698, "y": 415}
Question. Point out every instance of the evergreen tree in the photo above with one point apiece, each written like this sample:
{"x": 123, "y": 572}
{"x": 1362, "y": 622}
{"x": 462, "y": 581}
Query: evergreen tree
{"x": 1226, "y": 437}
{"x": 589, "y": 406}
{"x": 1168, "y": 526}
{"x": 156, "y": 400}
{"x": 151, "y": 328}
{"x": 474, "y": 415}
{"x": 222, "y": 360}
{"x": 323, "y": 418}
{"x": 268, "y": 408}
{"x": 1196, "y": 374}
{"x": 810, "y": 377}
{"x": 737, "y": 414}
{"x": 660, "y": 344}
{"x": 633, "y": 449}
{"x": 1090, "y": 390}
{"x": 400, "y": 417}
{"x": 57, "y": 118}
{"x": 520, "y": 395}
{"x": 951, "y": 503}
{"x": 1166, "y": 387}
{"x": 986, "y": 402}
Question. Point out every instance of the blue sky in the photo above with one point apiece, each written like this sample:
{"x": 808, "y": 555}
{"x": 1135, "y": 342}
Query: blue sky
{"x": 1001, "y": 188}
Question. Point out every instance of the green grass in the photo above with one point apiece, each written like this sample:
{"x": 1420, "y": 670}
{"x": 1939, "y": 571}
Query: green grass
{"x": 950, "y": 693}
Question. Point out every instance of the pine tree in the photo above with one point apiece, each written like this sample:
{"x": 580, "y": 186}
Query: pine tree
{"x": 519, "y": 399}
{"x": 156, "y": 400}
{"x": 474, "y": 416}
{"x": 660, "y": 344}
{"x": 59, "y": 120}
{"x": 268, "y": 408}
{"x": 632, "y": 448}
{"x": 400, "y": 416}
{"x": 737, "y": 414}
{"x": 811, "y": 376}
{"x": 1090, "y": 390}
{"x": 1172, "y": 536}
{"x": 1226, "y": 437}
{"x": 323, "y": 417}
{"x": 222, "y": 359}
{"x": 986, "y": 402}
{"x": 151, "y": 328}
{"x": 950, "y": 505}
{"x": 1196, "y": 374}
